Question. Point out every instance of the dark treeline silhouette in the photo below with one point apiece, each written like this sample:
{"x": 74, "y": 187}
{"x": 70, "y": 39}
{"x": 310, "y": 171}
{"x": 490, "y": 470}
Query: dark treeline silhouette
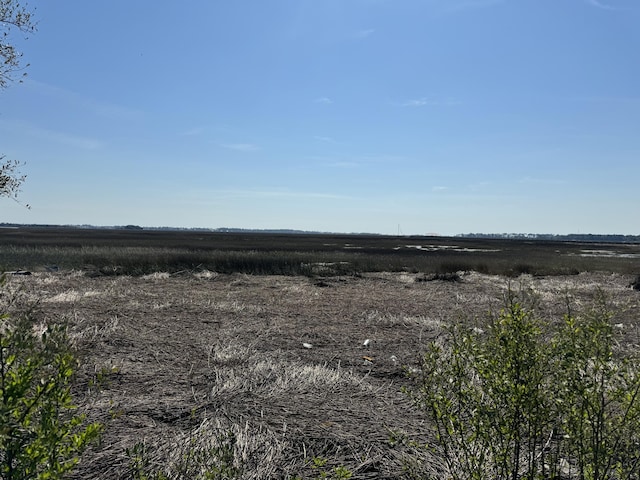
{"x": 572, "y": 237}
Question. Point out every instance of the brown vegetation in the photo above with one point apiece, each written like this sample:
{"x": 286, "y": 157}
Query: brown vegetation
{"x": 140, "y": 252}
{"x": 275, "y": 365}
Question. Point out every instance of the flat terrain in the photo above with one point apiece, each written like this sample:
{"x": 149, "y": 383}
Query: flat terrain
{"x": 138, "y": 252}
{"x": 275, "y": 367}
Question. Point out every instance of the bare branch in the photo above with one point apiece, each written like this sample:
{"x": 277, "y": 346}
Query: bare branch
{"x": 13, "y": 16}
{"x": 10, "y": 178}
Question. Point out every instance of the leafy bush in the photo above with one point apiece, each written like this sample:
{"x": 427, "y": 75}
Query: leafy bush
{"x": 530, "y": 401}
{"x": 39, "y": 436}
{"x": 599, "y": 393}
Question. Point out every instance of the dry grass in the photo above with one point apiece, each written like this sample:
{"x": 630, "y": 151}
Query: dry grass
{"x": 185, "y": 362}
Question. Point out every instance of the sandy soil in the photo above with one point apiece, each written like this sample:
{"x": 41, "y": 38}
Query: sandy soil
{"x": 278, "y": 365}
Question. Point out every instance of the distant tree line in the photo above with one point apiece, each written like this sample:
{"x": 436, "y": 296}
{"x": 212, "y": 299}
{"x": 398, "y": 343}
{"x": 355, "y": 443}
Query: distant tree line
{"x": 572, "y": 237}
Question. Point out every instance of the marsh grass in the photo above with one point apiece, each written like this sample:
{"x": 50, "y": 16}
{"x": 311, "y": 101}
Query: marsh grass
{"x": 114, "y": 252}
{"x": 202, "y": 375}
{"x": 214, "y": 448}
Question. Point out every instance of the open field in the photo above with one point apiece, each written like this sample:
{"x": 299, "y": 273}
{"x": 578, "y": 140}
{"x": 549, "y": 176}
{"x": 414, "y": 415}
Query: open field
{"x": 137, "y": 252}
{"x": 271, "y": 371}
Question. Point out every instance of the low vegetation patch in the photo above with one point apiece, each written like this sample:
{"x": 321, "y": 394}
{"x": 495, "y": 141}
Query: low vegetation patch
{"x": 213, "y": 376}
{"x": 533, "y": 400}
{"x": 40, "y": 436}
{"x": 138, "y": 252}
{"x": 444, "y": 277}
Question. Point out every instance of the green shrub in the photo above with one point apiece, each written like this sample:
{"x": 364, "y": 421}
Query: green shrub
{"x": 530, "y": 401}
{"x": 40, "y": 438}
{"x": 320, "y": 471}
{"x": 598, "y": 390}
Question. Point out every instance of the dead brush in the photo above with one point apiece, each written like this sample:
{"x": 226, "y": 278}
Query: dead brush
{"x": 215, "y": 448}
{"x": 443, "y": 277}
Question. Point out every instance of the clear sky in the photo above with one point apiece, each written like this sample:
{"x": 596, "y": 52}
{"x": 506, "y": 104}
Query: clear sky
{"x": 431, "y": 116}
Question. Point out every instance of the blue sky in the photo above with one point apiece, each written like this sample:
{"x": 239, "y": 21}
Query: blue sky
{"x": 432, "y": 116}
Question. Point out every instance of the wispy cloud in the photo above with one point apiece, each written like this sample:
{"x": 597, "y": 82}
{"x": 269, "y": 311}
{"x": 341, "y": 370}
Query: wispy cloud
{"x": 325, "y": 139}
{"x": 344, "y": 164}
{"x": 198, "y": 130}
{"x": 542, "y": 181}
{"x": 419, "y": 102}
{"x": 606, "y": 5}
{"x": 288, "y": 194}
{"x": 599, "y": 4}
{"x": 356, "y": 161}
{"x": 62, "y": 138}
{"x": 240, "y": 147}
{"x": 193, "y": 132}
{"x": 71, "y": 140}
{"x": 324, "y": 100}
{"x": 608, "y": 99}
{"x": 479, "y": 186}
{"x": 438, "y": 188}
{"x": 328, "y": 161}
{"x": 428, "y": 101}
{"x": 97, "y": 107}
{"x": 461, "y": 5}
{"x": 364, "y": 33}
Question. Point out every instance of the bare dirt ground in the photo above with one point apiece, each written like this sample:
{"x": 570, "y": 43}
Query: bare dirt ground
{"x": 277, "y": 366}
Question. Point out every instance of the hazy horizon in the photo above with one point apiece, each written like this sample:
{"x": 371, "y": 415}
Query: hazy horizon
{"x": 441, "y": 116}
{"x": 224, "y": 229}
